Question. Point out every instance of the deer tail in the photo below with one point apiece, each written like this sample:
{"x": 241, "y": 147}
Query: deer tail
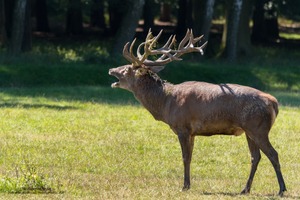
{"x": 275, "y": 110}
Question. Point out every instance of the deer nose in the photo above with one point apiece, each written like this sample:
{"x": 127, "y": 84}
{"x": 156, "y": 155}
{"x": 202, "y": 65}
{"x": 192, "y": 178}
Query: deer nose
{"x": 110, "y": 71}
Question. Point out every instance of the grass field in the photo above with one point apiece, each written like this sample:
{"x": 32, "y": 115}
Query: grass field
{"x": 93, "y": 142}
{"x": 64, "y": 136}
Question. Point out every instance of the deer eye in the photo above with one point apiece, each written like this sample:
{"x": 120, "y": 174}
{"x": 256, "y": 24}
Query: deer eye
{"x": 127, "y": 70}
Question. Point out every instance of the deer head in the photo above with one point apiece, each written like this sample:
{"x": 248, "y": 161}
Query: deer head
{"x": 141, "y": 64}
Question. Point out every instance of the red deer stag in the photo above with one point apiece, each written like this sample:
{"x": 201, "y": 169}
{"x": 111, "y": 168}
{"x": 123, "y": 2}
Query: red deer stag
{"x": 198, "y": 108}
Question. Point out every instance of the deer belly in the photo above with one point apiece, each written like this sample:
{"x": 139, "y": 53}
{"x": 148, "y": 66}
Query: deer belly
{"x": 215, "y": 129}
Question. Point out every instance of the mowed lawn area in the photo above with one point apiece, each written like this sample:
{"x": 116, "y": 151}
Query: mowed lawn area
{"x": 65, "y": 134}
{"x": 92, "y": 142}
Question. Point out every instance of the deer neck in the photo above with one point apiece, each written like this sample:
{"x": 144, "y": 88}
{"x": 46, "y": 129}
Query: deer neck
{"x": 153, "y": 95}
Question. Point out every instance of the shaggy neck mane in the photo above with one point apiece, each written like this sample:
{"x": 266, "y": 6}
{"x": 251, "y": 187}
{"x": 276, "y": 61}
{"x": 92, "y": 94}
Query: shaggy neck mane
{"x": 151, "y": 92}
{"x": 156, "y": 78}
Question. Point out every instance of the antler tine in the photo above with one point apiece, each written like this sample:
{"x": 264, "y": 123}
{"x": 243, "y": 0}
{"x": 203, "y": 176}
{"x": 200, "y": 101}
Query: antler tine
{"x": 138, "y": 50}
{"x": 184, "y": 40}
{"x": 197, "y": 39}
{"x": 191, "y": 40}
{"x": 135, "y": 59}
{"x": 148, "y": 38}
{"x": 189, "y": 47}
{"x": 171, "y": 41}
{"x": 149, "y": 34}
{"x": 166, "y": 48}
{"x": 200, "y": 49}
{"x": 168, "y": 54}
{"x": 166, "y": 51}
{"x": 154, "y": 40}
{"x": 186, "y": 45}
{"x": 148, "y": 45}
{"x": 131, "y": 48}
{"x": 126, "y": 53}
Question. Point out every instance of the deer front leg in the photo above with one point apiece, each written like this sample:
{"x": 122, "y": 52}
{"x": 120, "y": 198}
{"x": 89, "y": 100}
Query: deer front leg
{"x": 187, "y": 144}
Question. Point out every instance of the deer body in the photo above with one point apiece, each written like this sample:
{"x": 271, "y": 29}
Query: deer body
{"x": 198, "y": 108}
{"x": 207, "y": 109}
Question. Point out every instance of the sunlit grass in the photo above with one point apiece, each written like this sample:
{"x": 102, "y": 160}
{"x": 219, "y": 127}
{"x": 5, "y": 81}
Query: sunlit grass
{"x": 98, "y": 143}
{"x": 293, "y": 36}
{"x": 27, "y": 179}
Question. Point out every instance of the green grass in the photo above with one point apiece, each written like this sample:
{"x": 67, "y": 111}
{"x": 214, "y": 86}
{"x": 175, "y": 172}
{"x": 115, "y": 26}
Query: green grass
{"x": 98, "y": 143}
{"x": 293, "y": 36}
{"x": 63, "y": 136}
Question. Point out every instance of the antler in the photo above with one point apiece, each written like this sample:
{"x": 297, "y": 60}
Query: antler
{"x": 187, "y": 45}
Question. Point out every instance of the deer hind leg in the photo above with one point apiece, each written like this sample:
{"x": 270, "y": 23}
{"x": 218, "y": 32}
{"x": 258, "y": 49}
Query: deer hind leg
{"x": 187, "y": 144}
{"x": 266, "y": 147}
{"x": 255, "y": 158}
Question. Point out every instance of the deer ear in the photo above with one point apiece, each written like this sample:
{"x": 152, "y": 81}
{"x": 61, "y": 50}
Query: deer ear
{"x": 156, "y": 69}
{"x": 141, "y": 71}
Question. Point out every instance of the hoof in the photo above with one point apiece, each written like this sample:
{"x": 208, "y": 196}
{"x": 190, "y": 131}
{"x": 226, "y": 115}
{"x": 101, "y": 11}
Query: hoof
{"x": 281, "y": 192}
{"x": 245, "y": 191}
{"x": 185, "y": 188}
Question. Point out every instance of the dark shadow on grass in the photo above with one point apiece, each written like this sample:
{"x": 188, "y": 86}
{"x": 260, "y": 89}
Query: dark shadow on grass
{"x": 99, "y": 94}
{"x": 27, "y": 106}
{"x": 275, "y": 196}
{"x": 271, "y": 196}
{"x": 93, "y": 94}
{"x": 222, "y": 193}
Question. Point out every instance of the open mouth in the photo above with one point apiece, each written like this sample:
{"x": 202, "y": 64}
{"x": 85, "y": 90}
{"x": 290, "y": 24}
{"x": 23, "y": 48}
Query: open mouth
{"x": 115, "y": 84}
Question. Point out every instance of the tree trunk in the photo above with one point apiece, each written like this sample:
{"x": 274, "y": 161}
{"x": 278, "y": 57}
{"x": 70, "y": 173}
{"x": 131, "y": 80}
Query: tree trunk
{"x": 74, "y": 17}
{"x": 148, "y": 15}
{"x": 184, "y": 18}
{"x": 244, "y": 38}
{"x": 181, "y": 19}
{"x": 27, "y": 38}
{"x": 271, "y": 21}
{"x": 203, "y": 13}
{"x": 97, "y": 14}
{"x": 117, "y": 10}
{"x": 165, "y": 12}
{"x": 189, "y": 14}
{"x": 41, "y": 15}
{"x": 128, "y": 26}
{"x": 233, "y": 21}
{"x": 9, "y": 6}
{"x": 18, "y": 27}
{"x": 258, "y": 30}
{"x": 265, "y": 22}
{"x": 3, "y": 36}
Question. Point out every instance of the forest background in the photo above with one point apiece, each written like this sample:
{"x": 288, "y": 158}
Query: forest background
{"x": 95, "y": 31}
{"x": 64, "y": 134}
{"x": 232, "y": 27}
